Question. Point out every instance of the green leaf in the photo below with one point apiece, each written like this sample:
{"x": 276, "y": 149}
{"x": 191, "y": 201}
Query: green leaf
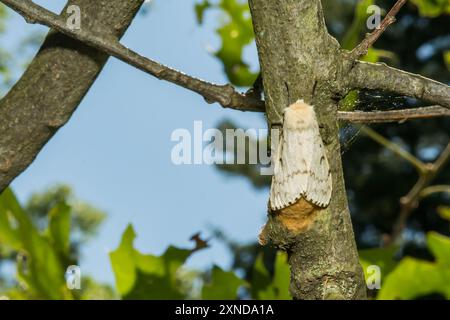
{"x": 381, "y": 257}
{"x": 236, "y": 33}
{"x": 374, "y": 55}
{"x": 281, "y": 278}
{"x": 353, "y": 35}
{"x": 261, "y": 280}
{"x": 439, "y": 245}
{"x": 59, "y": 228}
{"x": 264, "y": 287}
{"x": 140, "y": 276}
{"x": 122, "y": 262}
{"x": 223, "y": 286}
{"x": 200, "y": 9}
{"x": 39, "y": 266}
{"x": 413, "y": 278}
{"x": 447, "y": 59}
{"x": 8, "y": 226}
{"x": 432, "y": 8}
{"x": 444, "y": 212}
{"x": 3, "y": 15}
{"x": 85, "y": 218}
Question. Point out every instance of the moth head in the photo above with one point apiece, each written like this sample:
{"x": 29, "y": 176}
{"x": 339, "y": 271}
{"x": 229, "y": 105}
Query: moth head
{"x": 299, "y": 104}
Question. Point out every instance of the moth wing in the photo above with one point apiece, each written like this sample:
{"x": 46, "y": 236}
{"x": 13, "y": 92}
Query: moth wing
{"x": 292, "y": 163}
{"x": 276, "y": 189}
{"x": 301, "y": 164}
{"x": 319, "y": 186}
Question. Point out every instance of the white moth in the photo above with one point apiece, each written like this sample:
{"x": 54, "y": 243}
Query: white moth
{"x": 301, "y": 168}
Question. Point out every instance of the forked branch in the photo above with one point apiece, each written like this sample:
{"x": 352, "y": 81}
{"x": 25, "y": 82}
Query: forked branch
{"x": 427, "y": 173}
{"x": 379, "y": 76}
{"x": 225, "y": 95}
{"x": 371, "y": 38}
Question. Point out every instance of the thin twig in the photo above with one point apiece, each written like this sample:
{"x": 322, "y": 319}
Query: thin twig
{"x": 223, "y": 94}
{"x": 427, "y": 172}
{"x": 362, "y": 49}
{"x": 411, "y": 200}
{"x": 428, "y": 191}
{"x": 394, "y": 115}
{"x": 226, "y": 95}
{"x": 395, "y": 148}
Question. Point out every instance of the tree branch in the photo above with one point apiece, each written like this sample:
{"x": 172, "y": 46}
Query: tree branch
{"x": 428, "y": 191}
{"x": 394, "y": 115}
{"x": 223, "y": 94}
{"x": 395, "y": 148}
{"x": 39, "y": 104}
{"x": 411, "y": 200}
{"x": 54, "y": 84}
{"x": 379, "y": 76}
{"x": 427, "y": 173}
{"x": 371, "y": 38}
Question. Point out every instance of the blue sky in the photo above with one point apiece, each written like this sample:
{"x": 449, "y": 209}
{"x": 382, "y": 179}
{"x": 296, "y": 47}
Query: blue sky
{"x": 115, "y": 151}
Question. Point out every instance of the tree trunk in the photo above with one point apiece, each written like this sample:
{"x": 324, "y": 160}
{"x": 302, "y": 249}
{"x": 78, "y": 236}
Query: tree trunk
{"x": 300, "y": 60}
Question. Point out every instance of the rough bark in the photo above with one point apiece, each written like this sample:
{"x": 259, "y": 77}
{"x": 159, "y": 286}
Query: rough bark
{"x": 300, "y": 60}
{"x": 226, "y": 95}
{"x": 73, "y": 73}
{"x": 54, "y": 84}
{"x": 380, "y": 76}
